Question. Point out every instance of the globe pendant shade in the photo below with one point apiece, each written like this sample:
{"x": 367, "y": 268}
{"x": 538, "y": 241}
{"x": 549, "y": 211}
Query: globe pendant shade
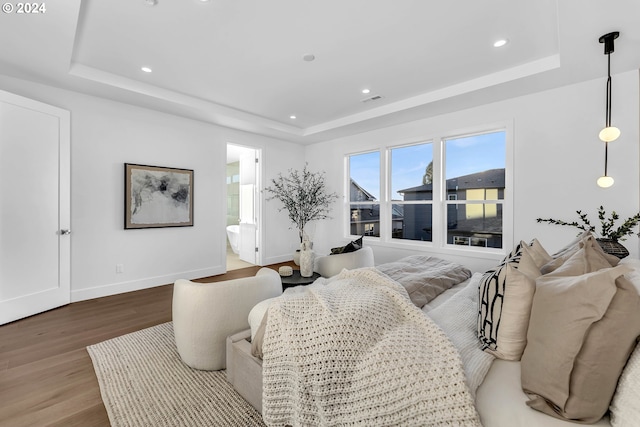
{"x": 605, "y": 181}
{"x": 608, "y": 134}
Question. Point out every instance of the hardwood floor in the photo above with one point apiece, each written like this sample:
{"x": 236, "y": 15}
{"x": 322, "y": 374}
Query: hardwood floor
{"x": 46, "y": 375}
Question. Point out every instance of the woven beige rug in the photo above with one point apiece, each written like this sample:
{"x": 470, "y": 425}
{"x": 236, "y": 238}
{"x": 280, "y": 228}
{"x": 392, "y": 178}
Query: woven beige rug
{"x": 143, "y": 382}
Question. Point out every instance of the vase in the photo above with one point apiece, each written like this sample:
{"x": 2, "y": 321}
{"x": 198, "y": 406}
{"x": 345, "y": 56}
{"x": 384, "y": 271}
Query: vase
{"x": 613, "y": 247}
{"x": 296, "y": 257}
{"x": 306, "y": 259}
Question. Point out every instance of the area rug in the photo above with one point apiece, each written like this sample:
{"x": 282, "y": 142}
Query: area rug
{"x": 143, "y": 382}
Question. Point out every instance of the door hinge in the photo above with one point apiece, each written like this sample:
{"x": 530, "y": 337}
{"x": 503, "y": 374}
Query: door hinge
{"x": 256, "y": 249}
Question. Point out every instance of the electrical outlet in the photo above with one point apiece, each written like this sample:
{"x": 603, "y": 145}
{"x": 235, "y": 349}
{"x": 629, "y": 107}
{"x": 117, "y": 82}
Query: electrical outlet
{"x": 119, "y": 268}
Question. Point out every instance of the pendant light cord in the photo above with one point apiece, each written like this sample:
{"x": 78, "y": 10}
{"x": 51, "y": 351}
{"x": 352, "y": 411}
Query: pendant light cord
{"x": 608, "y": 102}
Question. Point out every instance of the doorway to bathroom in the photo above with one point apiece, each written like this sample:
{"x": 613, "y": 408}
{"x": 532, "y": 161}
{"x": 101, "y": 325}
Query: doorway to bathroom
{"x": 243, "y": 207}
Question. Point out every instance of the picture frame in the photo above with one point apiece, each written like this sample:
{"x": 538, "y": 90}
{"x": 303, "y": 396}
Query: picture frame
{"x": 157, "y": 196}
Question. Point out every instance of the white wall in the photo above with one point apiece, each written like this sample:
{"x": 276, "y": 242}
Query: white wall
{"x": 105, "y": 135}
{"x": 557, "y": 159}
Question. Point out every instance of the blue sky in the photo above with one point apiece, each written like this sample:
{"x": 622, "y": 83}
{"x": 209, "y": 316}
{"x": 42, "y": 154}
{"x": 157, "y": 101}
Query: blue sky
{"x": 464, "y": 155}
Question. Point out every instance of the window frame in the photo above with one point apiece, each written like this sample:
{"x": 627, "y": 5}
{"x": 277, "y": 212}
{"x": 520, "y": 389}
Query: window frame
{"x": 440, "y": 200}
{"x": 389, "y": 195}
{"x": 347, "y": 194}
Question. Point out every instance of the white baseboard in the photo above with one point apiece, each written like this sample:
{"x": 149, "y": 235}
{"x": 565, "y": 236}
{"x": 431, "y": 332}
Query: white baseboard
{"x": 277, "y": 259}
{"x": 136, "y": 285}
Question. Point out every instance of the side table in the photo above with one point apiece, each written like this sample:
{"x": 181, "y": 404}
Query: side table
{"x": 296, "y": 279}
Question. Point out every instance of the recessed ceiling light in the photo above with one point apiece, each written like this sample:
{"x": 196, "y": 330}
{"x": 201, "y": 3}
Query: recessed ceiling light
{"x": 366, "y": 90}
{"x": 500, "y": 43}
{"x": 309, "y": 57}
{"x": 292, "y": 117}
{"x": 146, "y": 69}
{"x": 151, "y": 2}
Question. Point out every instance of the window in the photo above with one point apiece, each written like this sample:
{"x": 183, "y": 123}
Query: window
{"x": 475, "y": 174}
{"x": 364, "y": 194}
{"x": 447, "y": 192}
{"x": 412, "y": 192}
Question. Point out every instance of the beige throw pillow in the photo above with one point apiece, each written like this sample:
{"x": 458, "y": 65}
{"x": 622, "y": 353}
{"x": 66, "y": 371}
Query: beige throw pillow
{"x": 578, "y": 334}
{"x": 593, "y": 250}
{"x": 537, "y": 252}
{"x": 573, "y": 244}
{"x": 585, "y": 260}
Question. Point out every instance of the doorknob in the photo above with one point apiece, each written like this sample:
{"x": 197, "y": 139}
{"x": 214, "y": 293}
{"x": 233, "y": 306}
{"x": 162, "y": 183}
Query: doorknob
{"x": 65, "y": 232}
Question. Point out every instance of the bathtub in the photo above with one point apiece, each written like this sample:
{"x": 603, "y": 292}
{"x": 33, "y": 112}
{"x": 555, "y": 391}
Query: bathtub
{"x": 233, "y": 234}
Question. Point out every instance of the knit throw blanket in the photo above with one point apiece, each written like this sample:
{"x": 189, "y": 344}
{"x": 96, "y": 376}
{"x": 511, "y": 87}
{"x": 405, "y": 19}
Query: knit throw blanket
{"x": 354, "y": 350}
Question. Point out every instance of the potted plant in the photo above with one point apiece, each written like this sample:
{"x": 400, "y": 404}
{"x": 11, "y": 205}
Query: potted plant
{"x": 303, "y": 196}
{"x": 610, "y": 236}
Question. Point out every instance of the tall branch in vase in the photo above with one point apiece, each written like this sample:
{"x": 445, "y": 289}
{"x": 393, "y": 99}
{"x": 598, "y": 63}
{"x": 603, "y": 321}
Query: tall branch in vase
{"x": 303, "y": 196}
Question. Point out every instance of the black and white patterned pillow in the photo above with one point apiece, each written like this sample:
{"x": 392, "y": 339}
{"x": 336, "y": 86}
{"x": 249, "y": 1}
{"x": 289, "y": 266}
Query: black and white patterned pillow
{"x": 349, "y": 247}
{"x": 491, "y": 293}
{"x": 505, "y": 295}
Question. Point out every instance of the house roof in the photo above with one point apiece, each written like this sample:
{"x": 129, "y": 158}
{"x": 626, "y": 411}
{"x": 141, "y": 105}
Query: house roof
{"x": 357, "y": 187}
{"x": 492, "y": 178}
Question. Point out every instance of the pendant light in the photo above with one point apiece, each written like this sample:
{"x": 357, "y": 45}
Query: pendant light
{"x": 609, "y": 133}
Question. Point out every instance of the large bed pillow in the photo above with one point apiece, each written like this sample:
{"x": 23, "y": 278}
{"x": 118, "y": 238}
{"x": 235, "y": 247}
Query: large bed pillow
{"x": 572, "y": 244}
{"x": 581, "y": 332}
{"x": 425, "y": 277}
{"x": 505, "y": 298}
{"x": 586, "y": 259}
{"x": 588, "y": 241}
{"x": 625, "y": 406}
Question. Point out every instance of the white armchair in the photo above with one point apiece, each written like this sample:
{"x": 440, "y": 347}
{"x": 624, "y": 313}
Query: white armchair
{"x": 205, "y": 314}
{"x": 330, "y": 265}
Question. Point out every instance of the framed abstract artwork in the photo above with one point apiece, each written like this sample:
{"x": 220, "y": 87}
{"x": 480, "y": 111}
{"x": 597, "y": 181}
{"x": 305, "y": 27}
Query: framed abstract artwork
{"x": 156, "y": 197}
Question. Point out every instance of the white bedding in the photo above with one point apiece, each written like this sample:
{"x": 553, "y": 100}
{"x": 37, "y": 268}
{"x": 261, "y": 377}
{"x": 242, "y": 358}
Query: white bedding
{"x": 457, "y": 317}
{"x": 499, "y": 398}
{"x": 501, "y": 402}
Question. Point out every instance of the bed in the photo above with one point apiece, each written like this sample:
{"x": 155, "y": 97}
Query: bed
{"x": 494, "y": 384}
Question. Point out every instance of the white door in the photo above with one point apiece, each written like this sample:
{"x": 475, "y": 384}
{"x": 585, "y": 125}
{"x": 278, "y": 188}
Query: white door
{"x": 35, "y": 257}
{"x": 248, "y": 220}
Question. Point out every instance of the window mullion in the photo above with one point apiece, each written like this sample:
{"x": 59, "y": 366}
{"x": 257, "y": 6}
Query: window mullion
{"x": 438, "y": 224}
{"x": 385, "y": 196}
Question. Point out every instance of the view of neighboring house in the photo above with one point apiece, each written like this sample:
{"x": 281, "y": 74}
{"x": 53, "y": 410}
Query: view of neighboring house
{"x": 474, "y": 210}
{"x": 365, "y": 213}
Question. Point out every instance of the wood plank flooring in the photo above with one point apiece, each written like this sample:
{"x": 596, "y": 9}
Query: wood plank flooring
{"x": 46, "y": 374}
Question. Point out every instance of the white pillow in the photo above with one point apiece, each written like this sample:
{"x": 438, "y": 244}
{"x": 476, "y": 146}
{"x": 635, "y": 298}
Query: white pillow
{"x": 257, "y": 313}
{"x": 625, "y": 406}
{"x": 457, "y": 318}
{"x": 634, "y": 275}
